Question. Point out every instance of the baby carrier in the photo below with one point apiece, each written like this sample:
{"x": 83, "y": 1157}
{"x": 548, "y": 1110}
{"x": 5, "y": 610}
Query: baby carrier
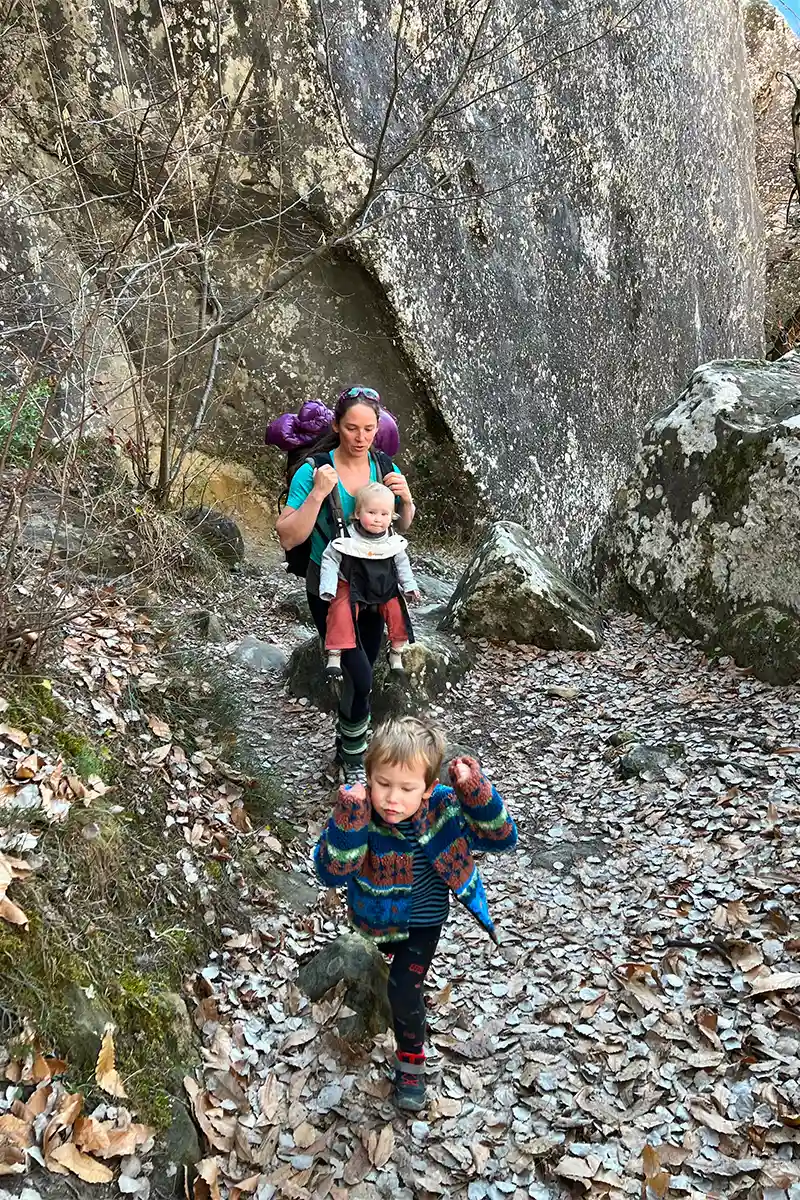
{"x": 298, "y": 558}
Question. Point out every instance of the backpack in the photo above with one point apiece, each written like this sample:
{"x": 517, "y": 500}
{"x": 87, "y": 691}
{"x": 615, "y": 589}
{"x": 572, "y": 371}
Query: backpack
{"x": 298, "y": 558}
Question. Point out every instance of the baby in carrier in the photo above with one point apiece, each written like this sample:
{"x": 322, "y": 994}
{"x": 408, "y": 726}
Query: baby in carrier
{"x": 368, "y": 566}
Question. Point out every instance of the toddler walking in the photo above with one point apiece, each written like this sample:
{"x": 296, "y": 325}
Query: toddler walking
{"x": 369, "y": 566}
{"x": 403, "y": 845}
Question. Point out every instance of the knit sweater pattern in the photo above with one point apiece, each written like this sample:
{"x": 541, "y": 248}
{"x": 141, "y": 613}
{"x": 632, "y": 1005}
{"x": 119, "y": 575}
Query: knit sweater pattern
{"x": 375, "y": 861}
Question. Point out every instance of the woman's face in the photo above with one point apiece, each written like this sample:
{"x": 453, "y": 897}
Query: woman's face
{"x": 357, "y": 429}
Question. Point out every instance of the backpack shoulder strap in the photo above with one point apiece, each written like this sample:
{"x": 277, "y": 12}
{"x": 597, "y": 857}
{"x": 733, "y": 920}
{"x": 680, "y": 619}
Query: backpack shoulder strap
{"x": 332, "y": 500}
{"x": 384, "y": 464}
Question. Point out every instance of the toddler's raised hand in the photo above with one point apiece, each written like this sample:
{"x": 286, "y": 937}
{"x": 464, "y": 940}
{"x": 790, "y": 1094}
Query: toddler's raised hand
{"x": 357, "y": 791}
{"x": 461, "y": 771}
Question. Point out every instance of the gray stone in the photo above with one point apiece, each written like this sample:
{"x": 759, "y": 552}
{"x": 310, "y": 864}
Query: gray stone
{"x": 83, "y": 1033}
{"x": 181, "y": 1142}
{"x": 220, "y": 534}
{"x": 207, "y": 624}
{"x": 293, "y": 888}
{"x": 511, "y": 591}
{"x": 455, "y": 750}
{"x": 523, "y": 317}
{"x": 650, "y": 763}
{"x": 295, "y": 604}
{"x": 179, "y": 1036}
{"x": 704, "y": 535}
{"x": 436, "y": 590}
{"x": 258, "y": 655}
{"x": 358, "y": 961}
{"x": 767, "y": 639}
{"x": 432, "y": 665}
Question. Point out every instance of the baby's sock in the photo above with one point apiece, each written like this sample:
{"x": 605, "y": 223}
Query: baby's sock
{"x": 334, "y": 664}
{"x": 396, "y": 656}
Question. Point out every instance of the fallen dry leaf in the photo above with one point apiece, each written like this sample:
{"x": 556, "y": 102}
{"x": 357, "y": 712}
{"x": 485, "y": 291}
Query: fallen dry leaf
{"x": 86, "y": 1168}
{"x": 206, "y": 1185}
{"x": 656, "y": 1179}
{"x": 106, "y": 1073}
{"x": 781, "y": 981}
{"x": 160, "y": 728}
{"x": 17, "y": 1131}
{"x": 703, "y": 1109}
{"x": 380, "y": 1146}
{"x": 12, "y": 1159}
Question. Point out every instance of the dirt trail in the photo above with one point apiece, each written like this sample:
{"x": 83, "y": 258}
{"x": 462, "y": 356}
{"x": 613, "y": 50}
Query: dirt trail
{"x": 645, "y": 988}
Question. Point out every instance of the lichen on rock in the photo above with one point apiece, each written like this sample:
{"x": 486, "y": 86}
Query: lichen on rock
{"x": 704, "y": 535}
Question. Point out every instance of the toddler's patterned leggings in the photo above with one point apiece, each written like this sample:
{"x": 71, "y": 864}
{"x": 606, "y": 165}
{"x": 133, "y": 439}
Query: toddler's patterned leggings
{"x": 410, "y": 962}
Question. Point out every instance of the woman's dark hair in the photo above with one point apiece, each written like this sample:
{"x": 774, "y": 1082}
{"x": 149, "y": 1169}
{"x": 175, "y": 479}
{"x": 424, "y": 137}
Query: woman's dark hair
{"x": 330, "y": 439}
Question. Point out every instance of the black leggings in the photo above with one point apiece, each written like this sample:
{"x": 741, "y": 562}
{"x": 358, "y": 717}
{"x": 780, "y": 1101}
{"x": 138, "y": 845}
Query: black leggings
{"x": 357, "y": 677}
{"x": 410, "y": 962}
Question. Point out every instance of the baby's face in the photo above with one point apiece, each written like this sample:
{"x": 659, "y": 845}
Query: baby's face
{"x": 376, "y": 515}
{"x": 397, "y": 790}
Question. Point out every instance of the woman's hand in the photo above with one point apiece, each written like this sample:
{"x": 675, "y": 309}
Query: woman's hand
{"x": 398, "y": 484}
{"x": 325, "y": 480}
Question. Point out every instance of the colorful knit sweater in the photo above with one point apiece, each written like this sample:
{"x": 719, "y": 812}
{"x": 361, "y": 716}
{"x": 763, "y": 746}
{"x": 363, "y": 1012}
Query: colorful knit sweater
{"x": 359, "y": 849}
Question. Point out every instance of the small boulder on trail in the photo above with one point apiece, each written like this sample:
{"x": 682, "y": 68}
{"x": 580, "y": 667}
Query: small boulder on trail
{"x": 704, "y": 535}
{"x": 432, "y": 664}
{"x": 259, "y": 655}
{"x": 511, "y": 591}
{"x": 354, "y": 959}
{"x": 221, "y": 534}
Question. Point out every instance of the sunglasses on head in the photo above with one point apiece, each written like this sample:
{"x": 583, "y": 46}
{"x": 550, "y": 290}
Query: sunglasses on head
{"x": 354, "y": 392}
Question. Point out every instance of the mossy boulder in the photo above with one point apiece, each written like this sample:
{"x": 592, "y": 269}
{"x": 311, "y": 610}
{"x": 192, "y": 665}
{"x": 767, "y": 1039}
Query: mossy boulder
{"x": 767, "y": 639}
{"x": 221, "y": 534}
{"x": 87, "y": 1019}
{"x": 361, "y": 965}
{"x": 432, "y": 664}
{"x": 511, "y": 591}
{"x": 704, "y": 534}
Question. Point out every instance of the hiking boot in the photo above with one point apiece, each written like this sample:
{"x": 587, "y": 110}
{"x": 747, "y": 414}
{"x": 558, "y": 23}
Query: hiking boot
{"x": 333, "y": 666}
{"x": 352, "y": 773}
{"x": 409, "y": 1085}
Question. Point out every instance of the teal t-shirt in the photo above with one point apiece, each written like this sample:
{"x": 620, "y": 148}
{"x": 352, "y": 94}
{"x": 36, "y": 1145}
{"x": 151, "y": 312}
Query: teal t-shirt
{"x": 300, "y": 490}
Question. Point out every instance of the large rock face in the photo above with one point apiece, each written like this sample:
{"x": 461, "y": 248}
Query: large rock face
{"x": 772, "y": 47}
{"x": 705, "y": 533}
{"x": 579, "y": 229}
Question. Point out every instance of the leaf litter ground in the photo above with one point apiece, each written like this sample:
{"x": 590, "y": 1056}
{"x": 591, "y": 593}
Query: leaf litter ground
{"x": 637, "y": 1030}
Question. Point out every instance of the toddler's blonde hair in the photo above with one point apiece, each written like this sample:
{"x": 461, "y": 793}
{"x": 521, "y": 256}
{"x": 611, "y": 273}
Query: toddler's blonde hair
{"x": 404, "y": 741}
{"x": 373, "y": 491}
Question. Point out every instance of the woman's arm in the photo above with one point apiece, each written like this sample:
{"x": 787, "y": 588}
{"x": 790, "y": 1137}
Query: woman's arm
{"x": 308, "y": 491}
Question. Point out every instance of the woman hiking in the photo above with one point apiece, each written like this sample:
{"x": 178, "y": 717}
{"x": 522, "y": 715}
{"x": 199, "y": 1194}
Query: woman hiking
{"x": 351, "y": 467}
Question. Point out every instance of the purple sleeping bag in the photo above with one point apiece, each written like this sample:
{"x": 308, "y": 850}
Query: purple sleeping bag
{"x": 292, "y": 431}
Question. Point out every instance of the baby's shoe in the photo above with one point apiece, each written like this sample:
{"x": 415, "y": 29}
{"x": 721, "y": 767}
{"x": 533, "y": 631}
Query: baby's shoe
{"x": 409, "y": 1082}
{"x": 333, "y": 667}
{"x": 396, "y": 657}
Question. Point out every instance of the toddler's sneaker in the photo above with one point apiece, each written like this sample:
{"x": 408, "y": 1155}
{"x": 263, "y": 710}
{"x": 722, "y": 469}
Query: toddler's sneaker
{"x": 333, "y": 667}
{"x": 409, "y": 1083}
{"x": 396, "y": 657}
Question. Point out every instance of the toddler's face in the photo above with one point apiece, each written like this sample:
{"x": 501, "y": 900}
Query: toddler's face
{"x": 376, "y": 515}
{"x": 397, "y": 790}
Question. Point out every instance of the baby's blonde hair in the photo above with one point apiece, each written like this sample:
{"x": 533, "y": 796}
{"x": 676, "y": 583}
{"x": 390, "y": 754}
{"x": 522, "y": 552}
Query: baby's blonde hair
{"x": 373, "y": 491}
{"x": 404, "y": 741}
